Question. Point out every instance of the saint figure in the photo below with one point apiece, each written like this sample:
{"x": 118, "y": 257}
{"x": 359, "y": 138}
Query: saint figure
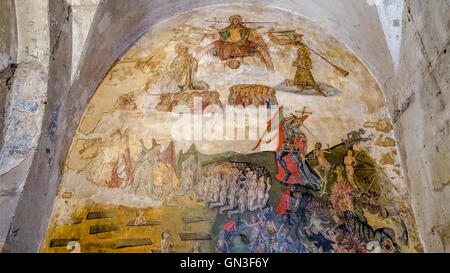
{"x": 236, "y": 41}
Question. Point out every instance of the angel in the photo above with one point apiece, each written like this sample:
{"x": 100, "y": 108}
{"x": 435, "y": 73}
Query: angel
{"x": 304, "y": 78}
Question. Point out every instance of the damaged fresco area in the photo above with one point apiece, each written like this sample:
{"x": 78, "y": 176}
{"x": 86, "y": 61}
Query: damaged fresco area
{"x": 22, "y": 118}
{"x": 235, "y": 129}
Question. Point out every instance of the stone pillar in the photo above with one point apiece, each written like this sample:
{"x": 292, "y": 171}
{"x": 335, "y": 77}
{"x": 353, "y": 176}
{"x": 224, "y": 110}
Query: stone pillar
{"x": 421, "y": 117}
{"x": 23, "y": 100}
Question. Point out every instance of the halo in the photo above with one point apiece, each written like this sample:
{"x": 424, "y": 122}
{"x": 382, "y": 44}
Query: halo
{"x": 179, "y": 47}
{"x": 236, "y": 17}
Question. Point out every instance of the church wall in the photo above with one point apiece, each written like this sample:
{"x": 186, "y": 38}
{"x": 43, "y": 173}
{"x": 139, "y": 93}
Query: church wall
{"x": 8, "y": 34}
{"x": 113, "y": 37}
{"x": 35, "y": 101}
{"x": 8, "y": 58}
{"x": 356, "y": 24}
{"x": 24, "y": 50}
{"x": 422, "y": 116}
{"x": 128, "y": 111}
{"x": 8, "y": 54}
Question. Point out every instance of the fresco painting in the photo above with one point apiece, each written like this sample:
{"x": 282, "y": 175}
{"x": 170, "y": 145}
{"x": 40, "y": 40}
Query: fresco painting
{"x": 310, "y": 164}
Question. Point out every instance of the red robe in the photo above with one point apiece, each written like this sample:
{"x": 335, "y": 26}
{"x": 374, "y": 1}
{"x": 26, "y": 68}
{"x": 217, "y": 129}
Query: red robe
{"x": 295, "y": 178}
{"x": 230, "y": 225}
{"x": 239, "y": 100}
{"x": 285, "y": 203}
{"x": 226, "y": 49}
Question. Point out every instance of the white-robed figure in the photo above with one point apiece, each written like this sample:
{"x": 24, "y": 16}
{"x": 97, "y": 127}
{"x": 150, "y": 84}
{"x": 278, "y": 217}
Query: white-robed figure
{"x": 187, "y": 176}
{"x": 143, "y": 183}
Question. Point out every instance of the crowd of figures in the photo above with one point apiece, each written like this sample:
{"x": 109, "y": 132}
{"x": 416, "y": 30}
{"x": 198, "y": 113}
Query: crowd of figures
{"x": 252, "y": 95}
{"x": 260, "y": 235}
{"x": 308, "y": 227}
{"x": 327, "y": 220}
{"x": 234, "y": 187}
{"x": 330, "y": 219}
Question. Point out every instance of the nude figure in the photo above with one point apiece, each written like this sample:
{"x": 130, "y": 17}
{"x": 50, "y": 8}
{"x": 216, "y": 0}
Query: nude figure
{"x": 200, "y": 185}
{"x": 231, "y": 198}
{"x": 207, "y": 188}
{"x": 261, "y": 193}
{"x": 196, "y": 247}
{"x": 214, "y": 190}
{"x": 268, "y": 186}
{"x": 166, "y": 243}
{"x": 211, "y": 190}
{"x": 252, "y": 193}
{"x": 168, "y": 188}
{"x": 140, "y": 218}
{"x": 349, "y": 162}
{"x": 242, "y": 201}
{"x": 324, "y": 165}
{"x": 224, "y": 185}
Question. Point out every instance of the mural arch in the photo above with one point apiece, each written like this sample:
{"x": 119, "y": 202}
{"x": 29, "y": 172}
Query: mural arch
{"x": 235, "y": 128}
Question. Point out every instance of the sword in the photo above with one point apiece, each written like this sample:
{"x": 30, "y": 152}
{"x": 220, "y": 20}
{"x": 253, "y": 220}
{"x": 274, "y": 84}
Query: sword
{"x": 269, "y": 124}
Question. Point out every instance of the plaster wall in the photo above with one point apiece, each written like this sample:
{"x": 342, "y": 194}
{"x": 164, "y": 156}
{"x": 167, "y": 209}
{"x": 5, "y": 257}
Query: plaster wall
{"x": 25, "y": 34}
{"x": 422, "y": 116}
{"x": 24, "y": 50}
{"x": 8, "y": 54}
{"x": 8, "y": 34}
{"x": 390, "y": 13}
{"x": 83, "y": 12}
{"x": 87, "y": 177}
{"x": 118, "y": 24}
{"x": 37, "y": 193}
{"x": 33, "y": 31}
